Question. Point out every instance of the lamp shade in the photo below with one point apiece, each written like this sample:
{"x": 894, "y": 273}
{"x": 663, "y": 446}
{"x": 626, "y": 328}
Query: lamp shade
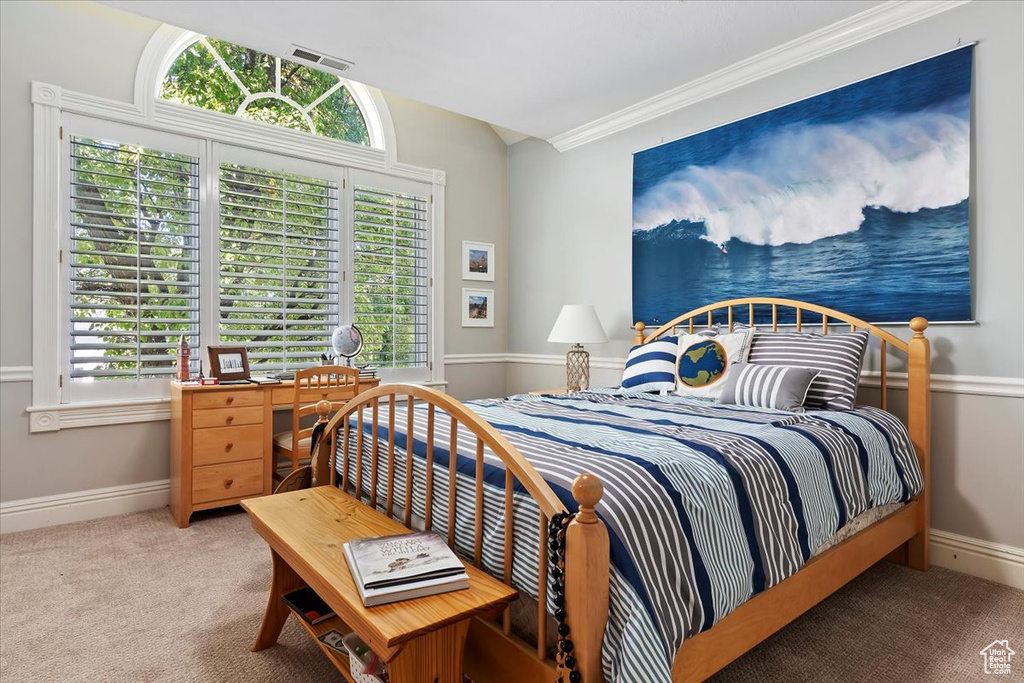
{"x": 578, "y": 324}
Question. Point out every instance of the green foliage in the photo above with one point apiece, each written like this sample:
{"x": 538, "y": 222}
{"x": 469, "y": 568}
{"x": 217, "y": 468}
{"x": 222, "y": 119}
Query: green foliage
{"x": 280, "y": 91}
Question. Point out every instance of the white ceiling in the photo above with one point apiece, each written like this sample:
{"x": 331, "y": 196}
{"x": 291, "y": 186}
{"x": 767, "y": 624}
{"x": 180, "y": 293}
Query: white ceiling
{"x": 540, "y": 68}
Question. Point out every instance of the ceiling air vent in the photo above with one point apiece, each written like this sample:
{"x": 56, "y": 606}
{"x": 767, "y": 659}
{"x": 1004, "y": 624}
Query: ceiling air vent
{"x": 322, "y": 61}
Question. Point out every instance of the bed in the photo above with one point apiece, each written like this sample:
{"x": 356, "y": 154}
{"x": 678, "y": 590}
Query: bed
{"x": 715, "y": 525}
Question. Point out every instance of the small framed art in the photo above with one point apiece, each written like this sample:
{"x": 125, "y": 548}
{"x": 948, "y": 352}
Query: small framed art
{"x": 228, "y": 362}
{"x": 477, "y": 261}
{"x": 477, "y": 307}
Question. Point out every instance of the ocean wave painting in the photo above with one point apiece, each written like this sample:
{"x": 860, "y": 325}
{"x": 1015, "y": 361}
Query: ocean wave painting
{"x": 856, "y": 199}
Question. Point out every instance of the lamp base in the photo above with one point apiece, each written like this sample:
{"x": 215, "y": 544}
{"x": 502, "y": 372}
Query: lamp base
{"x": 577, "y": 368}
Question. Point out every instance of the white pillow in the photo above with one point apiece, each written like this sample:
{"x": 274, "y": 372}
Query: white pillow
{"x": 703, "y": 361}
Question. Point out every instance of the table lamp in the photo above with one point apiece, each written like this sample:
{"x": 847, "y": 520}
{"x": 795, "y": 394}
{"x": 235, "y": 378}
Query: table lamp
{"x": 577, "y": 325}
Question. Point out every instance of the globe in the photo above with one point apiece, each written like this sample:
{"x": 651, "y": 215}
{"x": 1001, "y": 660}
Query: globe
{"x": 701, "y": 364}
{"x": 346, "y": 341}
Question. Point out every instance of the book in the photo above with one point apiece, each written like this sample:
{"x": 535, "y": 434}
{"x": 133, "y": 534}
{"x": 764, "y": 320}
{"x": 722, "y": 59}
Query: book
{"x": 383, "y": 561}
{"x": 372, "y": 597}
{"x": 308, "y": 605}
{"x": 264, "y": 379}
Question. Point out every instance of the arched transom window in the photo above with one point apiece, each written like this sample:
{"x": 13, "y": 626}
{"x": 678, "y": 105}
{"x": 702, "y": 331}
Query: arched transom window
{"x": 217, "y": 75}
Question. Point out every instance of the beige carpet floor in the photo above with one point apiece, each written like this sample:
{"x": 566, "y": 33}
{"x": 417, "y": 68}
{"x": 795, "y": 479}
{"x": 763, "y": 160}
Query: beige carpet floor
{"x": 133, "y": 598}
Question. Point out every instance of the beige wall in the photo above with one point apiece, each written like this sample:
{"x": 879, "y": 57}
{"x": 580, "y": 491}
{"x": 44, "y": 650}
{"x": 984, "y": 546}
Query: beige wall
{"x": 579, "y": 203}
{"x": 94, "y": 49}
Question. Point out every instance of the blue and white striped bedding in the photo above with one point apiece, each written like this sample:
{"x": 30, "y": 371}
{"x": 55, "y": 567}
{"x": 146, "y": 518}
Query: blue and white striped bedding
{"x": 706, "y": 505}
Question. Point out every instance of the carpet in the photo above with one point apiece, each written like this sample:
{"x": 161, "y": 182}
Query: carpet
{"x": 134, "y": 598}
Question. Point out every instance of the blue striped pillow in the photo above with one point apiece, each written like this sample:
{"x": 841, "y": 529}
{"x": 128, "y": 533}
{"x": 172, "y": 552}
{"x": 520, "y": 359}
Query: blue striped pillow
{"x": 651, "y": 366}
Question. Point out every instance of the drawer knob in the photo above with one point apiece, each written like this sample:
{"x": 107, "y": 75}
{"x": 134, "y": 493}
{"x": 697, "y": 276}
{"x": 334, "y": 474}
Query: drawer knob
{"x": 231, "y": 399}
{"x": 228, "y": 483}
{"x": 229, "y": 446}
{"x": 230, "y": 419}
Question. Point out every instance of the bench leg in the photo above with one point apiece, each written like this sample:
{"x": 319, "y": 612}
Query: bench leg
{"x": 434, "y": 656}
{"x": 284, "y": 581}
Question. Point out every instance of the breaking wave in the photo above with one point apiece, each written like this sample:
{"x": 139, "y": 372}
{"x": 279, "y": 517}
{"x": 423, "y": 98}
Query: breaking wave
{"x": 803, "y": 183}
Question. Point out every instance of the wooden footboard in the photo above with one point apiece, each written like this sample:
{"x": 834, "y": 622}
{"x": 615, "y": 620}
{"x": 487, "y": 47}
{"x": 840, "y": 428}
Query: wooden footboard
{"x": 587, "y": 554}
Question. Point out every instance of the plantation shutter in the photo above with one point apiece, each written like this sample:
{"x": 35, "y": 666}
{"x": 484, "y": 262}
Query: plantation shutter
{"x": 134, "y": 259}
{"x": 278, "y": 293}
{"x": 390, "y": 276}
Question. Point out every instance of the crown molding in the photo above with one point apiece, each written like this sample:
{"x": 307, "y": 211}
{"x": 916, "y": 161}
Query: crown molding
{"x": 877, "y": 21}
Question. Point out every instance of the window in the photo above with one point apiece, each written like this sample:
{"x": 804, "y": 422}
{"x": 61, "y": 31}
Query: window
{"x": 390, "y": 276}
{"x": 278, "y": 265}
{"x": 231, "y": 79}
{"x": 168, "y": 218}
{"x": 281, "y": 242}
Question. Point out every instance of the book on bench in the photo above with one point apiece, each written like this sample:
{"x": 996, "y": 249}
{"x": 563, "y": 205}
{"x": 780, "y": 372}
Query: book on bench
{"x": 392, "y": 568}
{"x": 308, "y": 605}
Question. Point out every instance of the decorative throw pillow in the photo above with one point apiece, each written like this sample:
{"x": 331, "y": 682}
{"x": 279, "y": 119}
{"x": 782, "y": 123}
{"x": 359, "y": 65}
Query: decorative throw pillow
{"x": 703, "y": 361}
{"x": 768, "y": 386}
{"x": 838, "y": 357}
{"x": 651, "y": 366}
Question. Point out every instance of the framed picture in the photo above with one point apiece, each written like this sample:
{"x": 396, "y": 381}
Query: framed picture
{"x": 228, "y": 362}
{"x": 477, "y": 261}
{"x": 477, "y": 307}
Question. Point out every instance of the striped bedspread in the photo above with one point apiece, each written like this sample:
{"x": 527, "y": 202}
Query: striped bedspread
{"x": 706, "y": 505}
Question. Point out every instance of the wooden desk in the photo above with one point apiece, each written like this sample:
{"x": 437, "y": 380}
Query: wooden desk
{"x": 221, "y": 441}
{"x": 421, "y": 640}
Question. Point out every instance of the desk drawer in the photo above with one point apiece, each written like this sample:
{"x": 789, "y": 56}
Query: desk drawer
{"x": 227, "y": 417}
{"x": 227, "y": 444}
{"x": 233, "y": 480}
{"x": 283, "y": 396}
{"x": 227, "y": 399}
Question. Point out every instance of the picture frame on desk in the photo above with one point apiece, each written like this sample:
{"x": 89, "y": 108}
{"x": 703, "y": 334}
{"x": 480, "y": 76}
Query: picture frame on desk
{"x": 228, "y": 362}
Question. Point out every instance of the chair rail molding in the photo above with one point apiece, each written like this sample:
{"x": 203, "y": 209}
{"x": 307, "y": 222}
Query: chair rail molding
{"x": 871, "y": 23}
{"x": 16, "y": 373}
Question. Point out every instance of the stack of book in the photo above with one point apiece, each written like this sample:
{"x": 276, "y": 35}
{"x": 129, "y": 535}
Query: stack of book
{"x": 368, "y": 371}
{"x": 392, "y": 568}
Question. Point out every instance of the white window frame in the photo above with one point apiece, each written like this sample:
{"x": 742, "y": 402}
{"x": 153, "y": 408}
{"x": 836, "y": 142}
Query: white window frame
{"x": 56, "y": 112}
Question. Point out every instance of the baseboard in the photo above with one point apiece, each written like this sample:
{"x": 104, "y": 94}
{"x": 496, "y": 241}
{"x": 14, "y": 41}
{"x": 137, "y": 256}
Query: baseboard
{"x": 33, "y": 513}
{"x": 1000, "y": 563}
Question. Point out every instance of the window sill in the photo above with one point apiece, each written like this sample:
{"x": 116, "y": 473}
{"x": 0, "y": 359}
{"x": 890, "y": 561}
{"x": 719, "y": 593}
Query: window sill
{"x": 99, "y": 413}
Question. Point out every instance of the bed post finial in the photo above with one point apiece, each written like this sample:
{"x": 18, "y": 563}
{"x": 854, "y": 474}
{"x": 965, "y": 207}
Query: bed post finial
{"x": 919, "y": 424}
{"x": 638, "y": 338}
{"x": 587, "y": 491}
{"x": 586, "y": 578}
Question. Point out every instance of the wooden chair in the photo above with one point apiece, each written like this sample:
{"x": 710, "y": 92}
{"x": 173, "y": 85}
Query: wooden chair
{"x": 311, "y": 386}
{"x": 306, "y": 477}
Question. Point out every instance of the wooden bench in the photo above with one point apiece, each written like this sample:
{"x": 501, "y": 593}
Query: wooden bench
{"x": 421, "y": 640}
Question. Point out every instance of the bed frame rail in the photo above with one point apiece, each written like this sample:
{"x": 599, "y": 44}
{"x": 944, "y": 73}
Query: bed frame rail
{"x": 587, "y": 554}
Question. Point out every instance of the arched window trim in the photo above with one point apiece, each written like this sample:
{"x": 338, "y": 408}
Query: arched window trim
{"x": 170, "y": 41}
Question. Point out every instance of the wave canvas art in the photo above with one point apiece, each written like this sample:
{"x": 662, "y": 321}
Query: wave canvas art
{"x": 855, "y": 199}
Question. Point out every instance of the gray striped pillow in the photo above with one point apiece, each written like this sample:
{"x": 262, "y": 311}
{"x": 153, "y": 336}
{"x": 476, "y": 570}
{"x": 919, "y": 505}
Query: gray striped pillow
{"x": 837, "y": 356}
{"x": 768, "y": 386}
